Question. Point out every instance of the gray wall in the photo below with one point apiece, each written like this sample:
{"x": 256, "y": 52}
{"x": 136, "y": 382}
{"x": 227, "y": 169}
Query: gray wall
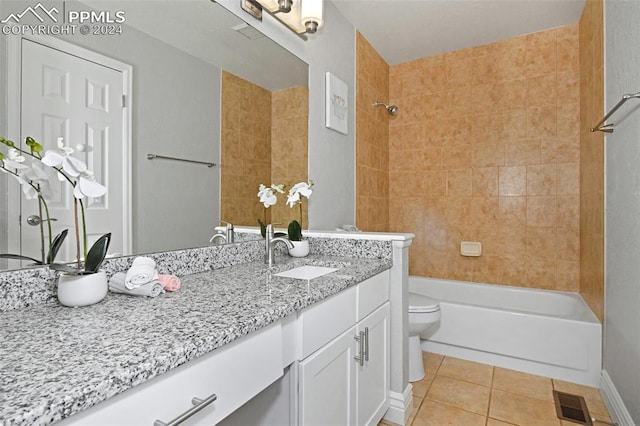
{"x": 331, "y": 154}
{"x": 176, "y": 112}
{"x": 622, "y": 306}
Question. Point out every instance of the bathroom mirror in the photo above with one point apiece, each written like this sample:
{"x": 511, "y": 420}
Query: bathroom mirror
{"x": 196, "y": 71}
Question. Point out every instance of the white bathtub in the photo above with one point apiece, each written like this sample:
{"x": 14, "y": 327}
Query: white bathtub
{"x": 542, "y": 332}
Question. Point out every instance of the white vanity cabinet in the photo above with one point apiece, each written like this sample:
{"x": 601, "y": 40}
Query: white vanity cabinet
{"x": 345, "y": 380}
{"x": 235, "y": 373}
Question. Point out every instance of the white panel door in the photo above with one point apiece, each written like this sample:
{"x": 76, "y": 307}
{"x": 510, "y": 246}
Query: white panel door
{"x": 81, "y": 101}
{"x": 327, "y": 383}
{"x": 374, "y": 376}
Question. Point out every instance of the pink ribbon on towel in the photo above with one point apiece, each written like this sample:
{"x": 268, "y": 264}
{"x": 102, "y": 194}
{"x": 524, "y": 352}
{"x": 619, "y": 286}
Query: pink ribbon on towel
{"x": 169, "y": 282}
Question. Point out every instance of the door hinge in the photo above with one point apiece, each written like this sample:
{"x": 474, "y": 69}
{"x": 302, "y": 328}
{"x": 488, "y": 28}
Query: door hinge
{"x": 124, "y": 101}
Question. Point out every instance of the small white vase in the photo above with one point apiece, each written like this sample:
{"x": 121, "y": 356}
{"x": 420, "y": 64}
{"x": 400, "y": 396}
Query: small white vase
{"x": 300, "y": 248}
{"x": 82, "y": 290}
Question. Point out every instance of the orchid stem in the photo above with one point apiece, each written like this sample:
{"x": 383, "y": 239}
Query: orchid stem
{"x": 75, "y": 216}
{"x": 84, "y": 230}
{"x": 41, "y": 229}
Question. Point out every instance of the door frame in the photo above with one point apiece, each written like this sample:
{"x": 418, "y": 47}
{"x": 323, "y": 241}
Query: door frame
{"x": 14, "y": 126}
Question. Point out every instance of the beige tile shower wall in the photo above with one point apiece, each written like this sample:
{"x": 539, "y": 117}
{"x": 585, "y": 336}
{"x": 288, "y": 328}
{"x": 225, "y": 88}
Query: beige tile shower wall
{"x": 592, "y": 157}
{"x": 487, "y": 148}
{"x": 246, "y": 149}
{"x": 289, "y": 152}
{"x": 372, "y": 139}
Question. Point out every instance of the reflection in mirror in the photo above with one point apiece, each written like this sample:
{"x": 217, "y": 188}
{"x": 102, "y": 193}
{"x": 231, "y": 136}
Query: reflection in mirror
{"x": 188, "y": 58}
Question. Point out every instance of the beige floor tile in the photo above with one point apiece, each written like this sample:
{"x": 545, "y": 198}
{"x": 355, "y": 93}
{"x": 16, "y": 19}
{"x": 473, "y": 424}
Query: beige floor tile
{"x": 522, "y": 410}
{"x": 434, "y": 414}
{"x": 460, "y": 394}
{"x": 416, "y": 406}
{"x": 592, "y": 396}
{"x": 421, "y": 387}
{"x": 468, "y": 371}
{"x": 431, "y": 363}
{"x": 494, "y": 422}
{"x": 384, "y": 422}
{"x": 523, "y": 384}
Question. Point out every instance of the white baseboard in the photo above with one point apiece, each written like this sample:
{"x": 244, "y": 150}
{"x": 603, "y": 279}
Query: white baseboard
{"x": 613, "y": 400}
{"x": 400, "y": 406}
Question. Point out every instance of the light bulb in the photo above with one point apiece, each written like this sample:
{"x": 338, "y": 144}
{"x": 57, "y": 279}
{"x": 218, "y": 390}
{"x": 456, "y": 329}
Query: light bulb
{"x": 311, "y": 15}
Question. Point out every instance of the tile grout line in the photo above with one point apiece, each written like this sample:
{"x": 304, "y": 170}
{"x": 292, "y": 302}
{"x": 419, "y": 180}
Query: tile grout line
{"x": 493, "y": 373}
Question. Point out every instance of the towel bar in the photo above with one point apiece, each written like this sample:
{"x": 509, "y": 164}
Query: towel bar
{"x": 154, "y": 156}
{"x": 608, "y": 128}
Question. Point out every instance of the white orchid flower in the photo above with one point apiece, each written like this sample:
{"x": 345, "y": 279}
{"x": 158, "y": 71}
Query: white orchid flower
{"x": 266, "y": 196}
{"x": 15, "y": 161}
{"x": 86, "y": 186}
{"x": 62, "y": 158}
{"x": 300, "y": 189}
{"x": 37, "y": 176}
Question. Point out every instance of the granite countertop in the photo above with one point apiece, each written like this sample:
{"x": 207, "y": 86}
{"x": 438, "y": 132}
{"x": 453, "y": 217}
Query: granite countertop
{"x": 56, "y": 361}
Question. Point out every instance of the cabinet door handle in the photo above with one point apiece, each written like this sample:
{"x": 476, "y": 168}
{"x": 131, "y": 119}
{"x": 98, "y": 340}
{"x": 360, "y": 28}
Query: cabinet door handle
{"x": 360, "y": 339}
{"x": 366, "y": 343}
{"x": 198, "y": 404}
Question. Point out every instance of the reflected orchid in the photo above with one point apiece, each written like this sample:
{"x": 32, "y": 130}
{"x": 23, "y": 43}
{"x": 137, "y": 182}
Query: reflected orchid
{"x": 266, "y": 196}
{"x": 300, "y": 189}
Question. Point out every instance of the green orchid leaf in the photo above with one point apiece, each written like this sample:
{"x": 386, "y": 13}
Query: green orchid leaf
{"x": 1, "y": 156}
{"x": 55, "y": 246}
{"x": 263, "y": 229}
{"x": 97, "y": 253}
{"x": 63, "y": 268}
{"x": 20, "y": 257}
{"x": 295, "y": 231}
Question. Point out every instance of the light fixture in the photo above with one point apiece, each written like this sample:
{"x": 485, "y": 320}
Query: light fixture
{"x": 300, "y": 16}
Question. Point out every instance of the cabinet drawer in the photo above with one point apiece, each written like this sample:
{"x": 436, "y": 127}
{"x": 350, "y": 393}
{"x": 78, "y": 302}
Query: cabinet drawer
{"x": 235, "y": 373}
{"x": 372, "y": 292}
{"x": 322, "y": 322}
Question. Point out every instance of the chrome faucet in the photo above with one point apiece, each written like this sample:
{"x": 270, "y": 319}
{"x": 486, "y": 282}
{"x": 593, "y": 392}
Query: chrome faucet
{"x": 271, "y": 241}
{"x": 228, "y": 236}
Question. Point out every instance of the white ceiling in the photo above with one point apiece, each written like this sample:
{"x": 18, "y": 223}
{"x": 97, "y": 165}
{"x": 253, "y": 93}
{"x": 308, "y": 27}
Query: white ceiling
{"x": 404, "y": 30}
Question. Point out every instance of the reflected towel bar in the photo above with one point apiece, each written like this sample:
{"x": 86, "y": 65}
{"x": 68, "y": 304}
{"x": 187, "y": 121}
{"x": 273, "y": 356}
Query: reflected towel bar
{"x": 153, "y": 156}
{"x": 608, "y": 128}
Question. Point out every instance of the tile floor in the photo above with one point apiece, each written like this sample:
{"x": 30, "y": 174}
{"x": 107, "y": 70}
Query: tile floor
{"x": 465, "y": 393}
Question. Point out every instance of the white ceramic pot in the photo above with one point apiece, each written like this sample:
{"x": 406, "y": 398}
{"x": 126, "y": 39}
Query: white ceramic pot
{"x": 82, "y": 290}
{"x": 300, "y": 248}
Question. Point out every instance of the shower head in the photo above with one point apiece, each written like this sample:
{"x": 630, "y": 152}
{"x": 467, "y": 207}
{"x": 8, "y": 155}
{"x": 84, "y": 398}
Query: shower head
{"x": 391, "y": 109}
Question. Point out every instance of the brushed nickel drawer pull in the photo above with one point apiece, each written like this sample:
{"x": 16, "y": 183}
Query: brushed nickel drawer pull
{"x": 366, "y": 343}
{"x": 198, "y": 404}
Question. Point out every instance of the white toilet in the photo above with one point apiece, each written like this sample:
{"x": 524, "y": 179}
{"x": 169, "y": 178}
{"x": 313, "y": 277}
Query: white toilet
{"x": 424, "y": 312}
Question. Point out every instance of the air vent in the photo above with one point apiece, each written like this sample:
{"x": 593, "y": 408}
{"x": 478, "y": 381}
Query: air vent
{"x": 248, "y": 31}
{"x": 572, "y": 408}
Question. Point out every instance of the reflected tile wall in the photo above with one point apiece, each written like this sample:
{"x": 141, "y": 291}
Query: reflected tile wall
{"x": 487, "y": 148}
{"x": 372, "y": 139}
{"x": 592, "y": 157}
{"x": 289, "y": 152}
{"x": 245, "y": 149}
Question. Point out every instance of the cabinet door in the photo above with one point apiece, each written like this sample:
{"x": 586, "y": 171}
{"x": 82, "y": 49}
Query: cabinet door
{"x": 373, "y": 377}
{"x": 328, "y": 383}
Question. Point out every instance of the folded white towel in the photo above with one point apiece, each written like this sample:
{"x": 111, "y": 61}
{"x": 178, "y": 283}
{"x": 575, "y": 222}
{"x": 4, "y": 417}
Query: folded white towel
{"x": 143, "y": 270}
{"x": 150, "y": 289}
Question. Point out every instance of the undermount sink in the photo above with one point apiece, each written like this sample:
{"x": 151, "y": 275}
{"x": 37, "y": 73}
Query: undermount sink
{"x": 306, "y": 272}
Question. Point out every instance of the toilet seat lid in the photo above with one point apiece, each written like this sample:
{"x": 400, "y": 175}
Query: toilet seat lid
{"x": 420, "y": 303}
